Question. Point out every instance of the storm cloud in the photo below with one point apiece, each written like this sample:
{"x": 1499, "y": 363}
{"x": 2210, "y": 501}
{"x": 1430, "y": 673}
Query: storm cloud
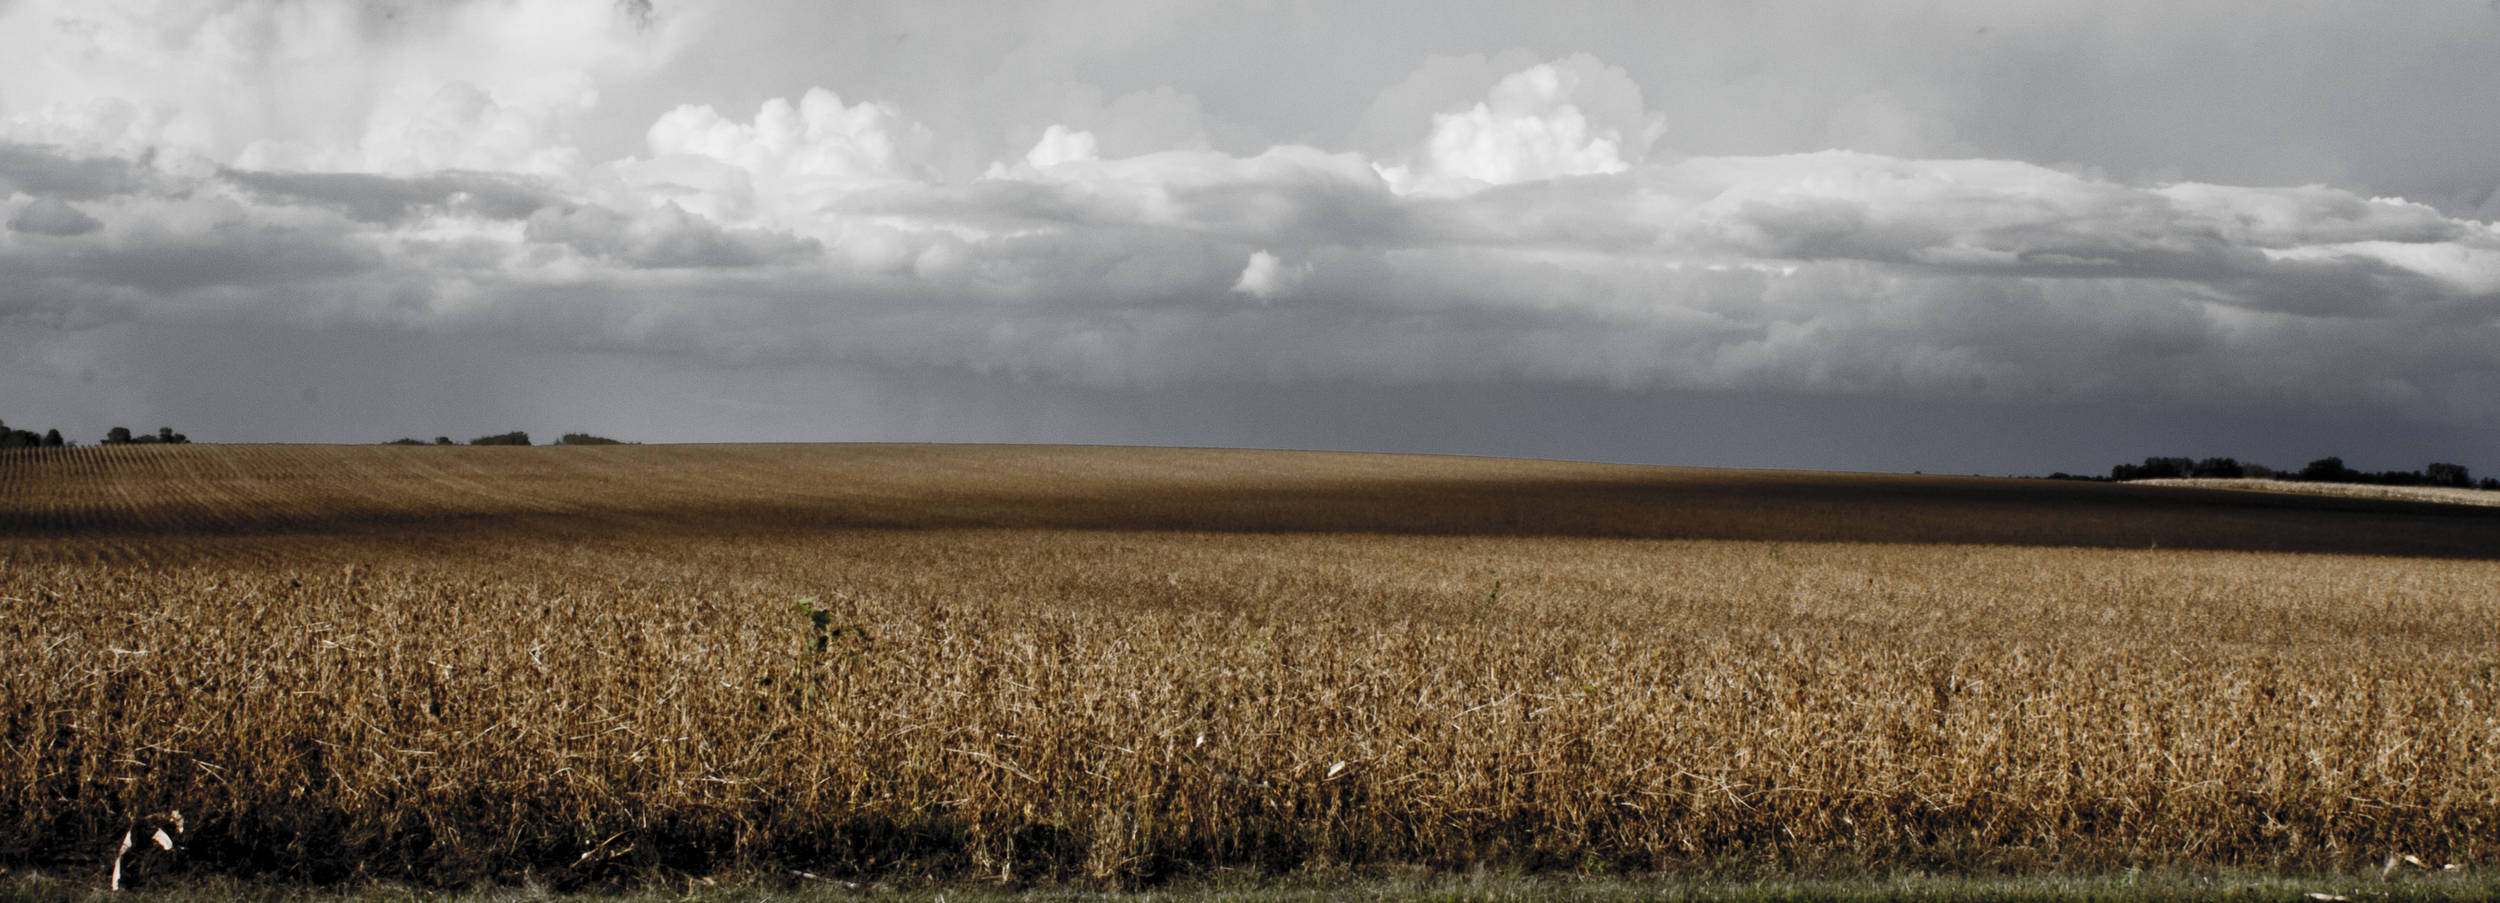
{"x": 1479, "y": 224}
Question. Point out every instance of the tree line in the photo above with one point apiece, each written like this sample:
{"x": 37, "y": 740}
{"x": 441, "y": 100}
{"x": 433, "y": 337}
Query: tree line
{"x": 15, "y": 438}
{"x": 120, "y": 435}
{"x": 165, "y": 435}
{"x": 516, "y": 437}
{"x": 2322, "y": 470}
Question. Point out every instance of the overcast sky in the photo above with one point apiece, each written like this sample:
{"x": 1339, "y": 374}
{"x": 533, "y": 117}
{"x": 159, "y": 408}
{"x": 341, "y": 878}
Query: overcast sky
{"x": 1988, "y": 236}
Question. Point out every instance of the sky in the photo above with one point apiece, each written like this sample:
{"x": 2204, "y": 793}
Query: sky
{"x": 1997, "y": 236}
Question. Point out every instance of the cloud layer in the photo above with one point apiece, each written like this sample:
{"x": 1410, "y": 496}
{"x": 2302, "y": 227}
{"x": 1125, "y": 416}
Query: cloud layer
{"x": 1546, "y": 228}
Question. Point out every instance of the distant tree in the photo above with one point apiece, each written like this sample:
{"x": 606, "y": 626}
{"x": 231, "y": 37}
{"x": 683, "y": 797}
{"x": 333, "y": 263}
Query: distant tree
{"x": 52, "y": 438}
{"x": 586, "y": 439}
{"x": 2447, "y": 475}
{"x": 2328, "y": 470}
{"x": 404, "y": 441}
{"x": 2390, "y": 478}
{"x": 2154, "y": 469}
{"x": 2219, "y": 468}
{"x": 2256, "y": 471}
{"x": 516, "y": 437}
{"x": 2489, "y": 483}
{"x": 119, "y": 435}
{"x": 166, "y": 434}
{"x": 444, "y": 440}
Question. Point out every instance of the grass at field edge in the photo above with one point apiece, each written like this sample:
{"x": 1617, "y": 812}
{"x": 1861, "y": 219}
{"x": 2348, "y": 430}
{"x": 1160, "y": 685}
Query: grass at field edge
{"x": 39, "y": 887}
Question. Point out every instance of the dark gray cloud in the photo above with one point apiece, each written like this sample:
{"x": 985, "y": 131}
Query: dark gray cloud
{"x": 53, "y": 216}
{"x": 167, "y": 265}
{"x": 1830, "y": 273}
{"x": 50, "y": 172}
{"x": 372, "y": 198}
{"x": 666, "y": 237}
{"x": 640, "y": 12}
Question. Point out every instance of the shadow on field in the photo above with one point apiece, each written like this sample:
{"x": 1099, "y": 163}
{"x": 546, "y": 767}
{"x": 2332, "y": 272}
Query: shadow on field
{"x": 734, "y": 490}
{"x": 1749, "y": 506}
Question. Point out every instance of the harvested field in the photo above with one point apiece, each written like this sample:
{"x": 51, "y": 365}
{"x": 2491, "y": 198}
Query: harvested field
{"x": 2448, "y": 494}
{"x": 1122, "y": 664}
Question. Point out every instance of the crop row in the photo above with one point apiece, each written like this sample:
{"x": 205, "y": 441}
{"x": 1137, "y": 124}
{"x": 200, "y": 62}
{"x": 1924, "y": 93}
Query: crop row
{"x": 1124, "y": 704}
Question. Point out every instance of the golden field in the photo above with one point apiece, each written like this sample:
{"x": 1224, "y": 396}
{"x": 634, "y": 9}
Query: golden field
{"x": 1120, "y": 664}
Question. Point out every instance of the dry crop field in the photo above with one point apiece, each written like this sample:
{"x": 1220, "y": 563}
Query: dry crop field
{"x": 447, "y": 664}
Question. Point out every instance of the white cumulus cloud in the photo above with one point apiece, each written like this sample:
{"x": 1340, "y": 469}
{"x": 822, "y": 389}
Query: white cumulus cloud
{"x": 1059, "y": 145}
{"x": 785, "y": 167}
{"x": 1535, "y": 124}
{"x": 1266, "y": 276}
